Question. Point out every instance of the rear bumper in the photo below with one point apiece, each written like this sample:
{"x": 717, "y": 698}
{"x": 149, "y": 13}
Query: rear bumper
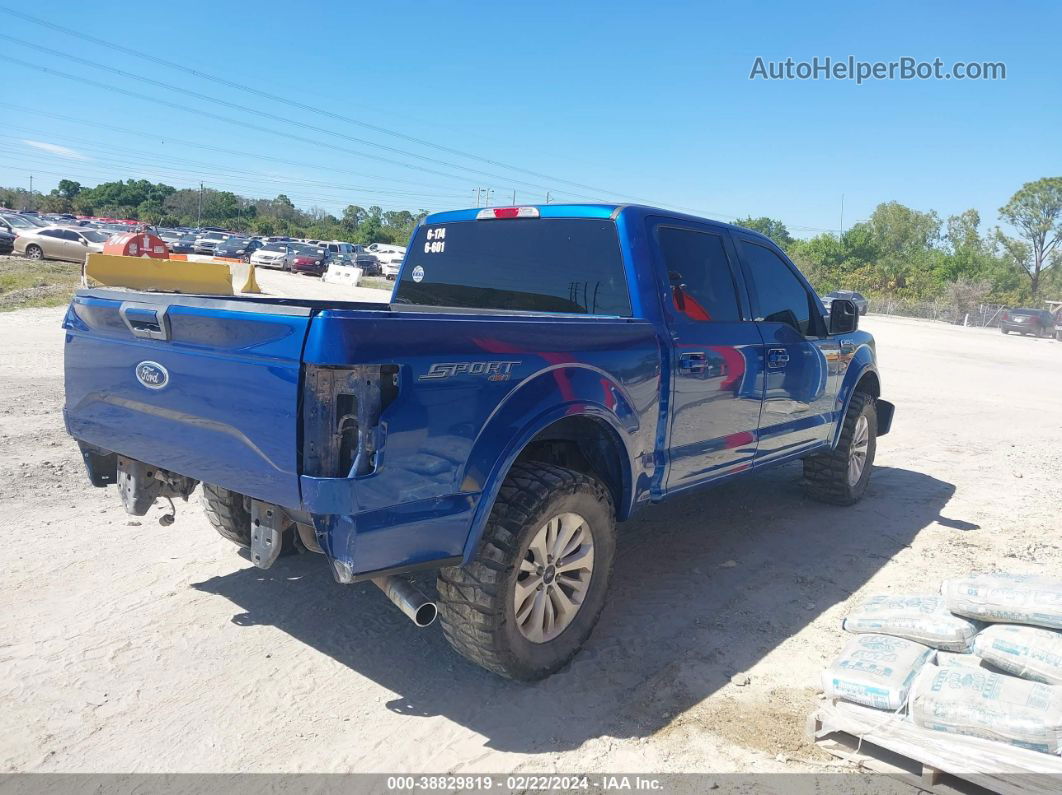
{"x": 1024, "y": 328}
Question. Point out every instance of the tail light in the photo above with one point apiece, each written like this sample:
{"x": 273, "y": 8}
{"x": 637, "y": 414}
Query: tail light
{"x": 507, "y": 212}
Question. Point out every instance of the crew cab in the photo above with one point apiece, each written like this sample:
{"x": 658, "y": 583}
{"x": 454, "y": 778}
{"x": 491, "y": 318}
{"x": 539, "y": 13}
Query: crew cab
{"x": 539, "y": 374}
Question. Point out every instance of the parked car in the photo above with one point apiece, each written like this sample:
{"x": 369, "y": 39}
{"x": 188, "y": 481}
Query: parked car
{"x": 311, "y": 260}
{"x": 56, "y": 242}
{"x": 17, "y": 223}
{"x": 207, "y": 242}
{"x": 849, "y": 295}
{"x": 185, "y": 244}
{"x": 389, "y": 257}
{"x": 492, "y": 423}
{"x": 369, "y": 264}
{"x": 1027, "y": 321}
{"x": 275, "y": 255}
{"x": 7, "y": 241}
{"x": 240, "y": 247}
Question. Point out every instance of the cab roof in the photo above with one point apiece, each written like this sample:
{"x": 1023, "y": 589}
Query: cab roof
{"x": 605, "y": 211}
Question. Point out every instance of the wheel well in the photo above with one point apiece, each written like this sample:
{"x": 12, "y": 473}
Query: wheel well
{"x": 870, "y": 385}
{"x": 585, "y": 444}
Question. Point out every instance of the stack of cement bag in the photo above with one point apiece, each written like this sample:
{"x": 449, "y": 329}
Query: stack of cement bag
{"x": 982, "y": 658}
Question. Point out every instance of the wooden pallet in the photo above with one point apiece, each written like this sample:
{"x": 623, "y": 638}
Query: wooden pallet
{"x": 930, "y": 760}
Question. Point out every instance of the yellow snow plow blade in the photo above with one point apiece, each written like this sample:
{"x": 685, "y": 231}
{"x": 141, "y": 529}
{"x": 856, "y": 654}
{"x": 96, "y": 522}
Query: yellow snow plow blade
{"x": 159, "y": 275}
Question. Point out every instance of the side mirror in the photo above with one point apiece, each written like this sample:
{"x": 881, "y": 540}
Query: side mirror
{"x": 844, "y": 316}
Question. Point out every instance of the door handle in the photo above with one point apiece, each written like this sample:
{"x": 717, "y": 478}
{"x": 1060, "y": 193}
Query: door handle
{"x": 777, "y": 357}
{"x": 146, "y": 321}
{"x": 692, "y": 362}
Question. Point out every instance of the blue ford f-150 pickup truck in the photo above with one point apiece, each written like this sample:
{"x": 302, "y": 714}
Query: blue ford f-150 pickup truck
{"x": 540, "y": 374}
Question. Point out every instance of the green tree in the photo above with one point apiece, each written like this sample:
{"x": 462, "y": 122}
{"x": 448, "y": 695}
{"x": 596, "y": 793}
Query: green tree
{"x": 1036, "y": 212}
{"x": 371, "y": 229}
{"x": 68, "y": 189}
{"x": 771, "y": 227}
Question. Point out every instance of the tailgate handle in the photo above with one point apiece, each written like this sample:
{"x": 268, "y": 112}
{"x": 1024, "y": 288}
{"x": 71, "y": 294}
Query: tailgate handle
{"x": 145, "y": 321}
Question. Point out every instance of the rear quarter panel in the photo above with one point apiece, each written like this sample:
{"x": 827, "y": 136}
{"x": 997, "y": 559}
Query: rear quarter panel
{"x": 447, "y": 441}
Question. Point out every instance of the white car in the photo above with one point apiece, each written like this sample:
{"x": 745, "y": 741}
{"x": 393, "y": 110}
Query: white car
{"x": 275, "y": 255}
{"x": 390, "y": 258}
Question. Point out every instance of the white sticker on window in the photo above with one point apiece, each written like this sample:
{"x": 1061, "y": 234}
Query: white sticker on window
{"x": 418, "y": 273}
{"x": 435, "y": 243}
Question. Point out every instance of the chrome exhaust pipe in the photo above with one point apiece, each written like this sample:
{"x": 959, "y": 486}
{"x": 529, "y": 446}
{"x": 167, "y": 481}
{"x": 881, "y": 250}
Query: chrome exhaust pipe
{"x": 419, "y": 608}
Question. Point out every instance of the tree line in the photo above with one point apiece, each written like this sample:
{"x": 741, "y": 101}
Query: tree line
{"x": 165, "y": 205}
{"x": 898, "y": 252}
{"x": 903, "y": 253}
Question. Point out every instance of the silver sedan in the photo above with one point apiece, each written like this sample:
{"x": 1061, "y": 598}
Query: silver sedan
{"x": 56, "y": 242}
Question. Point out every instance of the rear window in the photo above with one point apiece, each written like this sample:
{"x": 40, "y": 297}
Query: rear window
{"x": 525, "y": 264}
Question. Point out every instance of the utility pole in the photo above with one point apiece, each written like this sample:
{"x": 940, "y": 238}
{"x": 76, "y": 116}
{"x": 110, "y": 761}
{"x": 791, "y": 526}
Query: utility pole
{"x": 547, "y": 197}
{"x": 199, "y": 214}
{"x": 842, "y": 213}
{"x": 488, "y": 193}
{"x": 514, "y": 197}
{"x": 477, "y": 195}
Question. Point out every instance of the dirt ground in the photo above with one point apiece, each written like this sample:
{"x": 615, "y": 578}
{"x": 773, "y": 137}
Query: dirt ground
{"x": 129, "y": 647}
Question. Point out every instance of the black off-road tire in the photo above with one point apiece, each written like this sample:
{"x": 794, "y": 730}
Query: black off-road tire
{"x": 228, "y": 513}
{"x": 826, "y": 474}
{"x": 475, "y": 601}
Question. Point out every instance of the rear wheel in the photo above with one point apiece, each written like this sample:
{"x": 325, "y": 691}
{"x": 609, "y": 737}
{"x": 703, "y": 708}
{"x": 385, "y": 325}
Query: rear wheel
{"x": 229, "y": 513}
{"x": 530, "y": 598}
{"x": 841, "y": 475}
{"x": 1004, "y": 331}
{"x": 34, "y": 252}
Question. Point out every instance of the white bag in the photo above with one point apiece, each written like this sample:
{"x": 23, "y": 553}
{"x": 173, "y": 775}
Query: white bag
{"x": 875, "y": 670}
{"x": 964, "y": 700}
{"x": 1007, "y": 598}
{"x": 920, "y": 617}
{"x": 1029, "y": 652}
{"x": 946, "y": 659}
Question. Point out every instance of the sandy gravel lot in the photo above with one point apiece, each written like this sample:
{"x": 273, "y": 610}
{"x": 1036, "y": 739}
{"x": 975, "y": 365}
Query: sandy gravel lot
{"x": 126, "y": 646}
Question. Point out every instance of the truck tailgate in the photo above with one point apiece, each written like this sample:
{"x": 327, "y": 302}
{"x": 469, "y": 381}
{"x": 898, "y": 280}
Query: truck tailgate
{"x": 207, "y": 388}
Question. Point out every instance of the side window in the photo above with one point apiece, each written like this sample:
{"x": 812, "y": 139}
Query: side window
{"x": 49, "y": 233}
{"x": 781, "y": 295}
{"x": 66, "y": 234}
{"x": 699, "y": 270}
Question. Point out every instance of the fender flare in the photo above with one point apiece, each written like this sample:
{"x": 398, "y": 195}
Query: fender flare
{"x": 862, "y": 364}
{"x": 622, "y": 425}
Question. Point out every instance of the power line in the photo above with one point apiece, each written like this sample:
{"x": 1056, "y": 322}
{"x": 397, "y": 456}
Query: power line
{"x": 237, "y": 122}
{"x": 208, "y": 147}
{"x": 235, "y": 106}
{"x": 79, "y": 171}
{"x": 293, "y": 103}
{"x": 174, "y": 164}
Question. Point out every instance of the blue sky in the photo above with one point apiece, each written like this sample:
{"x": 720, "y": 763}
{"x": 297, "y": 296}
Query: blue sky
{"x": 637, "y": 101}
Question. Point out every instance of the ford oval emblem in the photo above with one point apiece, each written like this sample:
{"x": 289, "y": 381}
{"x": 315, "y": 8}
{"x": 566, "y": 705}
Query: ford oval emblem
{"x": 152, "y": 375}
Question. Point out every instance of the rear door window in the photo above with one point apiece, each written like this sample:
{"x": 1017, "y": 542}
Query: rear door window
{"x": 700, "y": 275}
{"x": 521, "y": 264}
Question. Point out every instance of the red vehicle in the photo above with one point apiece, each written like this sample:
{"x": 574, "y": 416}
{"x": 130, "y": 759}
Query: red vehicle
{"x": 309, "y": 259}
